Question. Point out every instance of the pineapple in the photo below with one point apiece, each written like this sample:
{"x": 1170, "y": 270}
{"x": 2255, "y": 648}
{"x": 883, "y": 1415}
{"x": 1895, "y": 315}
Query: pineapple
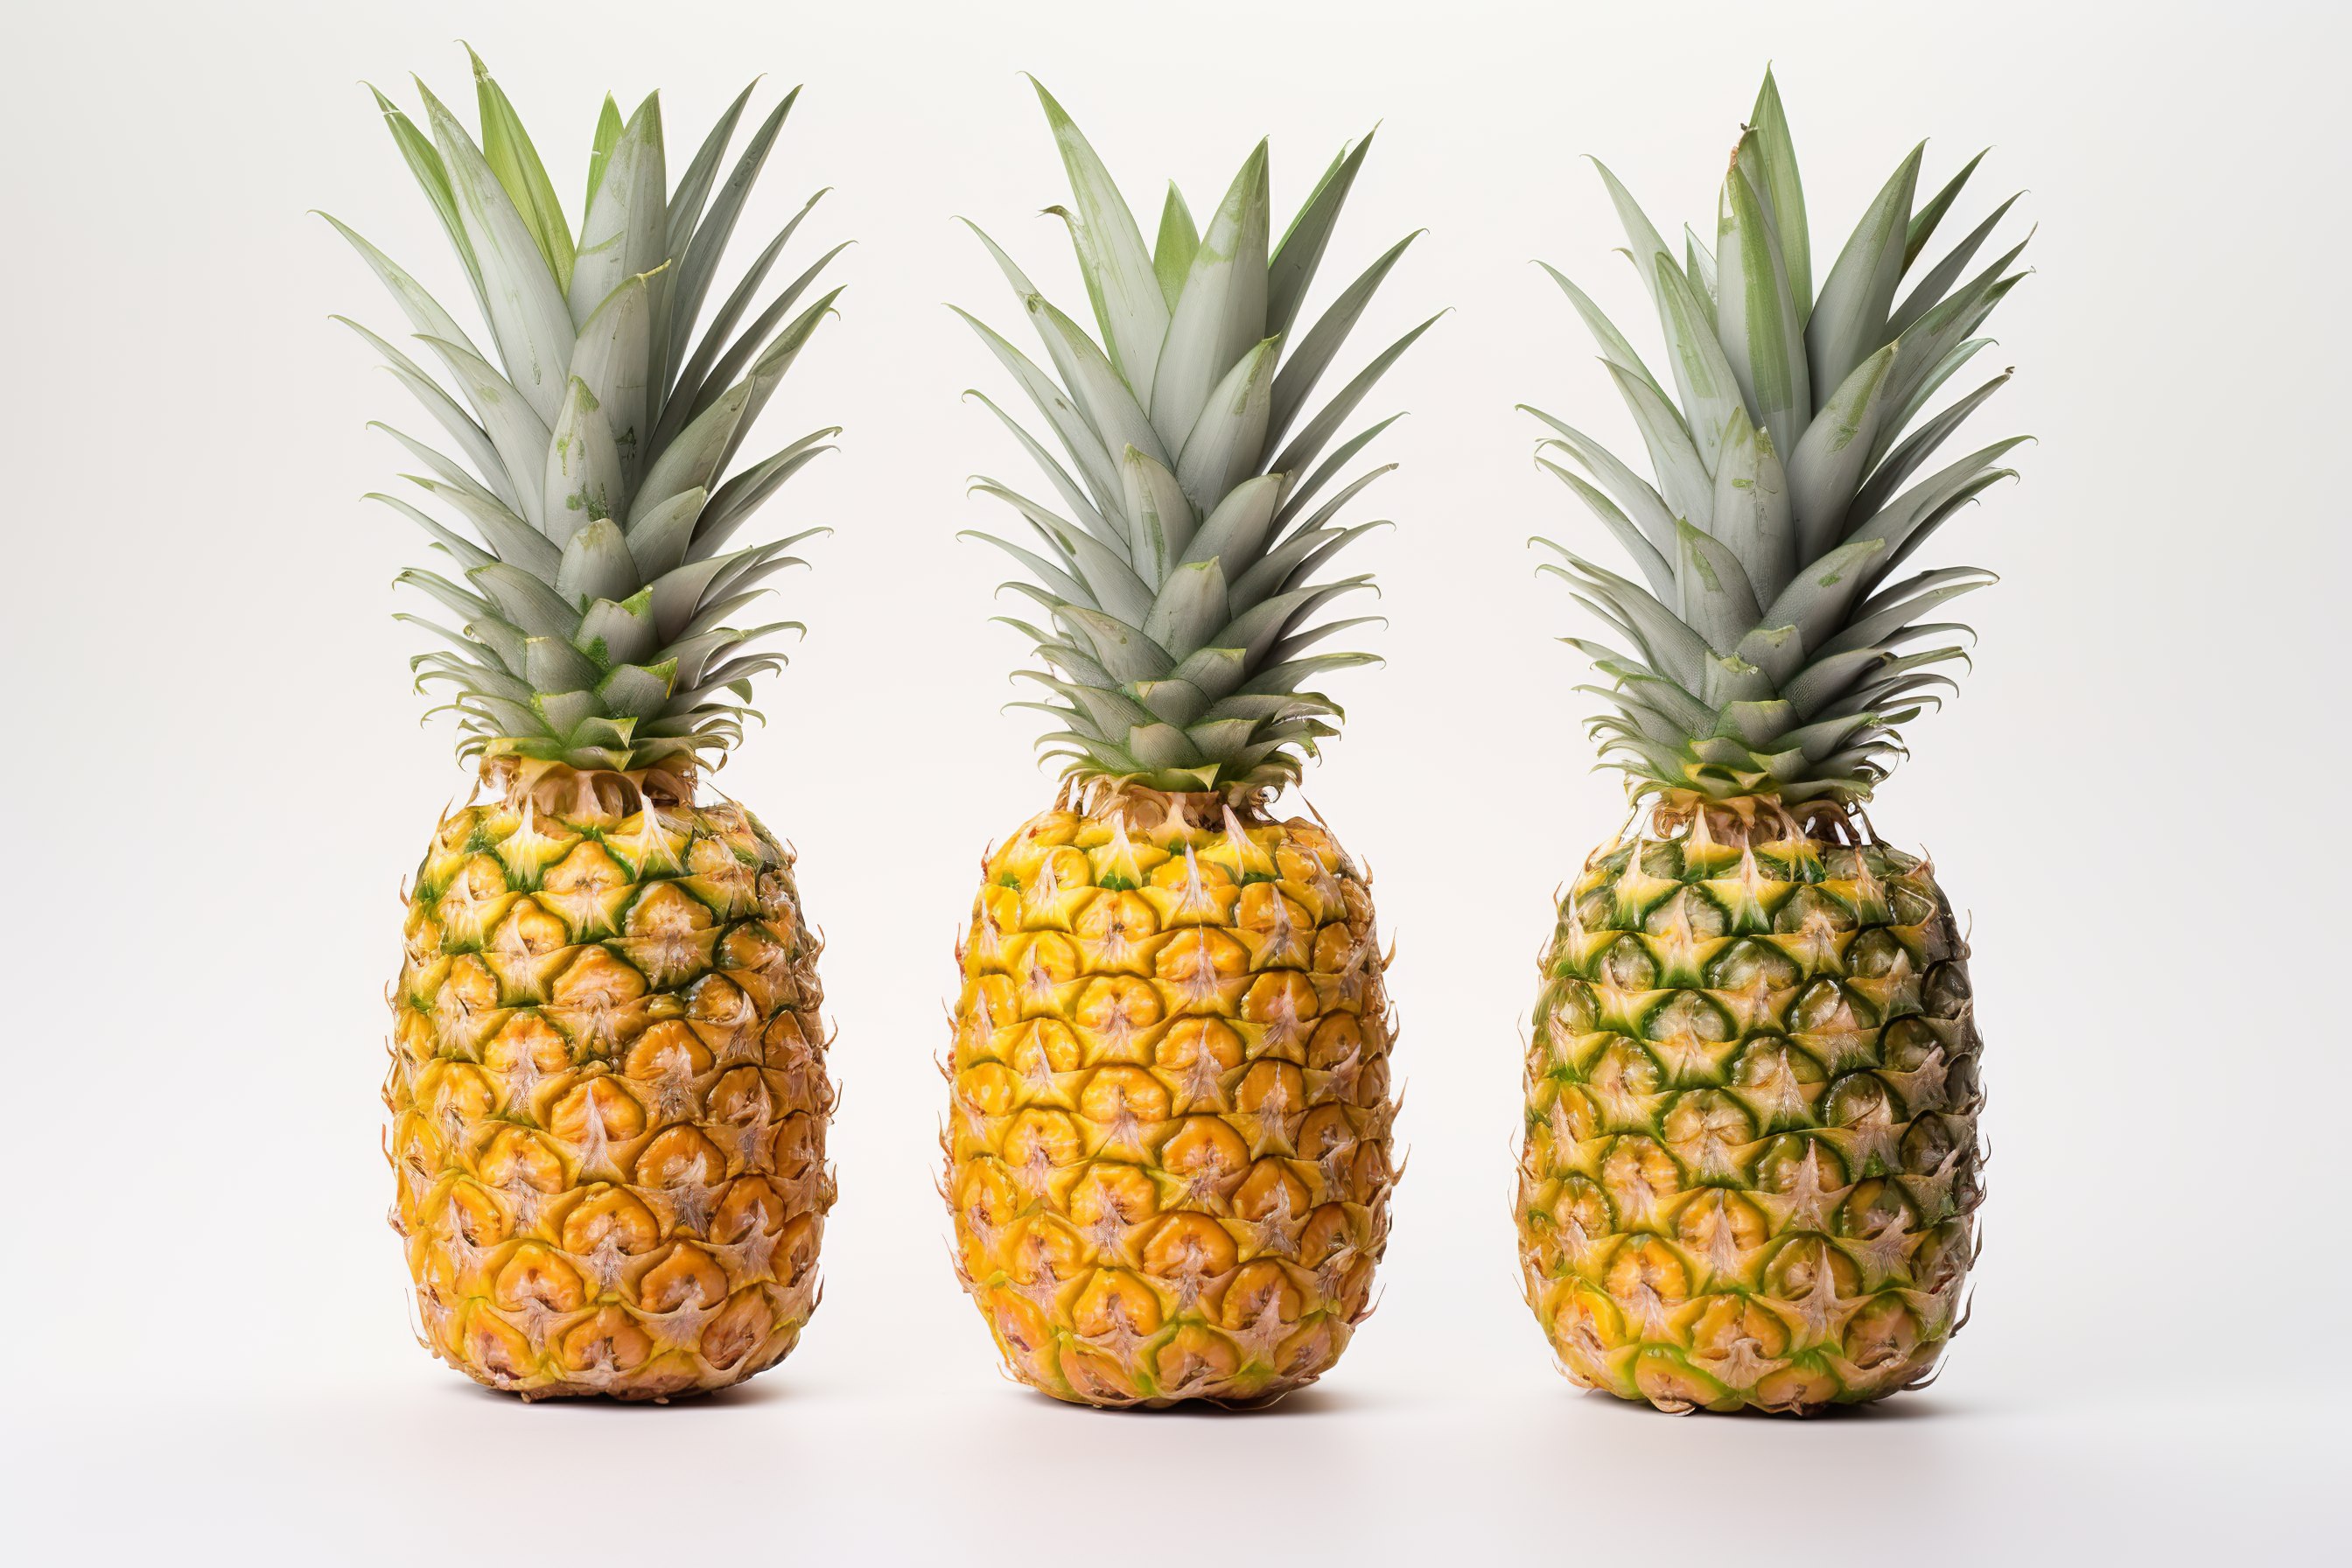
{"x": 608, "y": 1085}
{"x": 1751, "y": 1166}
{"x": 1168, "y": 1139}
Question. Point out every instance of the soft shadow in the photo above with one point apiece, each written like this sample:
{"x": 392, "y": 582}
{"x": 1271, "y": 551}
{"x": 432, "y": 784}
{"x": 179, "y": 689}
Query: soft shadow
{"x": 1312, "y": 1400}
{"x": 766, "y": 1389}
{"x": 1895, "y": 1408}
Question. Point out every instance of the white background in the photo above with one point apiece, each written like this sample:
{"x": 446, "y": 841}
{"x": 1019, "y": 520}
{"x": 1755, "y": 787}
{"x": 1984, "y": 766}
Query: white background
{"x": 218, "y": 782}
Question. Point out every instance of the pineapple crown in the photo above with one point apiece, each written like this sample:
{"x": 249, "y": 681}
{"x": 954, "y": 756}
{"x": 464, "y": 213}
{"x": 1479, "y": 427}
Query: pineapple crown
{"x": 1183, "y": 574}
{"x": 598, "y": 587}
{"x": 1765, "y": 655}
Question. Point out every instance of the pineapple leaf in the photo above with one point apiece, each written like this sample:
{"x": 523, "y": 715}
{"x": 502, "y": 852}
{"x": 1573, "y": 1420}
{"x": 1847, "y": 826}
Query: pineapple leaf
{"x": 1329, "y": 510}
{"x": 1081, "y": 508}
{"x": 447, "y": 470}
{"x": 1930, "y": 289}
{"x": 1654, "y": 565}
{"x": 1159, "y": 517}
{"x": 1063, "y": 585}
{"x": 607, "y": 135}
{"x": 1683, "y": 478}
{"x": 1883, "y": 618}
{"x": 1104, "y": 401}
{"x": 1666, "y": 642}
{"x": 1613, "y": 345}
{"x": 1191, "y": 607}
{"x": 1303, "y": 447}
{"x": 1783, "y": 191}
{"x": 1122, "y": 650}
{"x": 524, "y": 601}
{"x": 1315, "y": 351}
{"x": 1295, "y": 562}
{"x": 584, "y": 484}
{"x": 424, "y": 161}
{"x": 1849, "y": 321}
{"x": 1086, "y": 447}
{"x": 1111, "y": 584}
{"x": 1300, "y": 492}
{"x": 1647, "y": 509}
{"x": 1834, "y": 454}
{"x": 609, "y": 367}
{"x": 528, "y": 319}
{"x": 1698, "y": 266}
{"x": 686, "y": 202}
{"x": 1923, "y": 351}
{"x": 1238, "y": 529}
{"x": 1171, "y": 254}
{"x": 467, "y": 554}
{"x": 742, "y": 494}
{"x": 552, "y": 664}
{"x": 768, "y": 372}
{"x": 1131, "y": 301}
{"x": 699, "y": 262}
{"x": 1897, "y": 418}
{"x": 471, "y": 437}
{"x": 1761, "y": 330}
{"x": 688, "y": 398}
{"x": 510, "y": 537}
{"x": 614, "y": 633}
{"x": 1750, "y": 513}
{"x": 1299, "y": 253}
{"x": 694, "y": 460}
{"x": 1900, "y": 463}
{"x": 1922, "y": 226}
{"x": 514, "y": 428}
{"x": 424, "y": 312}
{"x": 1716, "y": 598}
{"x": 1229, "y": 437}
{"x": 506, "y": 147}
{"x": 657, "y": 540}
{"x": 1222, "y": 310}
{"x": 1703, "y": 375}
{"x": 634, "y": 691}
{"x": 1644, "y": 248}
{"x": 622, "y": 233}
{"x": 1817, "y": 596}
{"x": 697, "y": 371}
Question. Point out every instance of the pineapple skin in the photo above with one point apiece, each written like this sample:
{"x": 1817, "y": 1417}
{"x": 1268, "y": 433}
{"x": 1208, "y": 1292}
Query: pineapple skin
{"x": 609, "y": 1099}
{"x": 1750, "y": 1166}
{"x": 1169, "y": 1127}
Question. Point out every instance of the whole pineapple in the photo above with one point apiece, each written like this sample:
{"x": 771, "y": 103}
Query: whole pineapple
{"x": 1751, "y": 1165}
{"x": 608, "y": 1086}
{"x": 1168, "y": 1139}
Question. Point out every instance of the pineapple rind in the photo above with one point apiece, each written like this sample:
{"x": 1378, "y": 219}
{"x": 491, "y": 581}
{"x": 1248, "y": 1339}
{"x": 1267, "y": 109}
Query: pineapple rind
{"x": 1750, "y": 1166}
{"x": 1169, "y": 1134}
{"x": 609, "y": 1101}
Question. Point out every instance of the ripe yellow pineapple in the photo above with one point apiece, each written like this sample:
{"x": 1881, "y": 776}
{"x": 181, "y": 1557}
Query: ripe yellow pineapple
{"x": 1750, "y": 1168}
{"x": 607, "y": 1086}
{"x": 1167, "y": 1141}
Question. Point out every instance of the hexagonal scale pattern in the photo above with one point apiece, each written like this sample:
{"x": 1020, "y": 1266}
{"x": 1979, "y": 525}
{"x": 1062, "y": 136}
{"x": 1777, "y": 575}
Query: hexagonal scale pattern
{"x": 1167, "y": 1141}
{"x": 609, "y": 1101}
{"x": 1750, "y": 1164}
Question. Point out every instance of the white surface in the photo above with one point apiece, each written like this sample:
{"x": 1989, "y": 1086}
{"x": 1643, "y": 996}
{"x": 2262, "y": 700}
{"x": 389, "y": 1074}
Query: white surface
{"x": 219, "y": 783}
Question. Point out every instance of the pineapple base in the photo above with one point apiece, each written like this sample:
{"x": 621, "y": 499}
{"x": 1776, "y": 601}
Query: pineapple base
{"x": 1168, "y": 1124}
{"x": 608, "y": 1095}
{"x": 1751, "y": 1167}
